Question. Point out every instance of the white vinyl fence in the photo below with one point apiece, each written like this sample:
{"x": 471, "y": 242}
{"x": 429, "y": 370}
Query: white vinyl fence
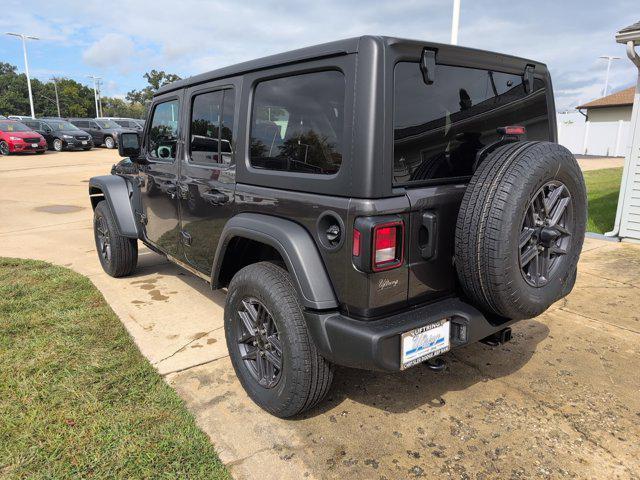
{"x": 608, "y": 139}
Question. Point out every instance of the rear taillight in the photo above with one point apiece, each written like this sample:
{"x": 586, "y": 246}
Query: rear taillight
{"x": 387, "y": 246}
{"x": 378, "y": 243}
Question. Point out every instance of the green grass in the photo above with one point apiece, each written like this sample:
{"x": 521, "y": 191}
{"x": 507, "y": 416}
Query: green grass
{"x": 77, "y": 399}
{"x": 603, "y": 187}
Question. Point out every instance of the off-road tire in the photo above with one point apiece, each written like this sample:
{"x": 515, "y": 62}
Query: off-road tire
{"x": 109, "y": 142}
{"x": 306, "y": 376}
{"x": 123, "y": 250}
{"x": 489, "y": 228}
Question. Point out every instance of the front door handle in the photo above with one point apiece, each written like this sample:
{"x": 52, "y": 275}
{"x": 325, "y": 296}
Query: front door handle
{"x": 215, "y": 197}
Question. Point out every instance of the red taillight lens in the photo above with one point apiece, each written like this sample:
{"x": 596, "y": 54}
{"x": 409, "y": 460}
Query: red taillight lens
{"x": 512, "y": 130}
{"x": 387, "y": 246}
{"x": 355, "y": 251}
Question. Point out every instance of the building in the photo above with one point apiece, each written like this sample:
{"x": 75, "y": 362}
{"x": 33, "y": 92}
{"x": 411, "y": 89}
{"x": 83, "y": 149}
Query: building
{"x": 627, "y": 224}
{"x": 612, "y": 108}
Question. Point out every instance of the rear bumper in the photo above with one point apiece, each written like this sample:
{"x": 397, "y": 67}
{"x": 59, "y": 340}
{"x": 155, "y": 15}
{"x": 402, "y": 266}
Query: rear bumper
{"x": 375, "y": 345}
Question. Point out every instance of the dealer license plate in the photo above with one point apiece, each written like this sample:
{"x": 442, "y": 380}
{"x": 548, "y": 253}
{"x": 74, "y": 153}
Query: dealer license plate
{"x": 34, "y": 145}
{"x": 84, "y": 142}
{"x": 424, "y": 343}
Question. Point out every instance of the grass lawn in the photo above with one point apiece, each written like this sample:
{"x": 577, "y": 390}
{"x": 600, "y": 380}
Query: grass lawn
{"x": 603, "y": 187}
{"x": 77, "y": 399}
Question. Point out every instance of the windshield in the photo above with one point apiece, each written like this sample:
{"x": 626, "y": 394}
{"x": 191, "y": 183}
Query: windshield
{"x": 107, "y": 124}
{"x": 59, "y": 126}
{"x": 13, "y": 127}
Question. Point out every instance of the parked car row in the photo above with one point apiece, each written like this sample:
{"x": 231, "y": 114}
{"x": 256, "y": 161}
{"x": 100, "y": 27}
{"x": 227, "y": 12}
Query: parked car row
{"x": 26, "y": 134}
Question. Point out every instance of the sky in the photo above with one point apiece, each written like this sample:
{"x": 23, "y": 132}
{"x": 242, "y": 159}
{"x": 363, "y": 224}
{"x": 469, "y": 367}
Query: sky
{"x": 120, "y": 40}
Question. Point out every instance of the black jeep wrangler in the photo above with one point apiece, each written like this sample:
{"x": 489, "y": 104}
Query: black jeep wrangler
{"x": 371, "y": 202}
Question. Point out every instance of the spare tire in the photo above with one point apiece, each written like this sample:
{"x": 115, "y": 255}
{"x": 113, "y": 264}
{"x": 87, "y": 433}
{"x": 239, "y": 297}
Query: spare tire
{"x": 520, "y": 229}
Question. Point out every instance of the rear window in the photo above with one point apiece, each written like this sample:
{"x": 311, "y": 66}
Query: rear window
{"x": 297, "y": 123}
{"x": 439, "y": 128}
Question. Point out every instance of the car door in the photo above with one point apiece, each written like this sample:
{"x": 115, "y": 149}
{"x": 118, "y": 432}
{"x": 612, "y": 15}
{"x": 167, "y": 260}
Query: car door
{"x": 95, "y": 131}
{"x": 207, "y": 171}
{"x": 46, "y": 131}
{"x": 158, "y": 170}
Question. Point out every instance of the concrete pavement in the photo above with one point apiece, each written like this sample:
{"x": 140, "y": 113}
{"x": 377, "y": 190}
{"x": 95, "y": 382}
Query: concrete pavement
{"x": 560, "y": 400}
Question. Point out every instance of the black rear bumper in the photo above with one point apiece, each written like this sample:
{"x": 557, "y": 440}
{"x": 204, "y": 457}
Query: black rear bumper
{"x": 375, "y": 345}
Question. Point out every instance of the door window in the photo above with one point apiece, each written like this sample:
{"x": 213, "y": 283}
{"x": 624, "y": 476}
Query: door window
{"x": 297, "y": 123}
{"x": 211, "y": 138}
{"x": 163, "y": 134}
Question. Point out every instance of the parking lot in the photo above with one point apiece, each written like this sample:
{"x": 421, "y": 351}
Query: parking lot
{"x": 560, "y": 400}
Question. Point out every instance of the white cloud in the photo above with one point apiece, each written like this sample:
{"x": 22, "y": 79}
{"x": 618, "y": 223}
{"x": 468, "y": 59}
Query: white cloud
{"x": 112, "y": 50}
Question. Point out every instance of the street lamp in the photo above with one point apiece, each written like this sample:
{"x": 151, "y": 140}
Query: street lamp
{"x": 455, "y": 22}
{"x": 55, "y": 87}
{"x": 608, "y": 58}
{"x": 26, "y": 64}
{"x": 95, "y": 92}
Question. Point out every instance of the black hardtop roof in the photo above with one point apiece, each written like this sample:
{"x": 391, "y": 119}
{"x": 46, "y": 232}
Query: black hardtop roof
{"x": 339, "y": 47}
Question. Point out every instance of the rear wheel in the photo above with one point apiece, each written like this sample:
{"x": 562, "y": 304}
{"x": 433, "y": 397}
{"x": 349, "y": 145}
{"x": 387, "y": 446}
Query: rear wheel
{"x": 118, "y": 255}
{"x": 520, "y": 229}
{"x": 109, "y": 142}
{"x": 4, "y": 148}
{"x": 271, "y": 350}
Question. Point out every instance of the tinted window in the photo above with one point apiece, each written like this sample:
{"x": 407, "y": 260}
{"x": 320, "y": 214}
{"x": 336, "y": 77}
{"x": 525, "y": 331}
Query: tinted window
{"x": 297, "y": 123}
{"x": 211, "y": 127}
{"x": 163, "y": 134}
{"x": 439, "y": 128}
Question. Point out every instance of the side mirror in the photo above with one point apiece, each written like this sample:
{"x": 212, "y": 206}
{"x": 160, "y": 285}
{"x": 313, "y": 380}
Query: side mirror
{"x": 129, "y": 145}
{"x": 47, "y": 130}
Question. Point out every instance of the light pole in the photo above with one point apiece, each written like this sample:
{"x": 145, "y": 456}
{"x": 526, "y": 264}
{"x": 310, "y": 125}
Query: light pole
{"x": 95, "y": 92}
{"x": 455, "y": 22}
{"x": 26, "y": 64}
{"x": 608, "y": 58}
{"x": 55, "y": 87}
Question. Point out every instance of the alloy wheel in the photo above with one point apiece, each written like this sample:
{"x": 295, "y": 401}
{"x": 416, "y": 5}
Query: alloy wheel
{"x": 57, "y": 145}
{"x": 545, "y": 236}
{"x": 4, "y": 148}
{"x": 259, "y": 342}
{"x": 104, "y": 239}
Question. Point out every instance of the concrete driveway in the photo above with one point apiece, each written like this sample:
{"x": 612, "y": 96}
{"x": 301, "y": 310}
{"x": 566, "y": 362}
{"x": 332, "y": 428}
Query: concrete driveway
{"x": 561, "y": 400}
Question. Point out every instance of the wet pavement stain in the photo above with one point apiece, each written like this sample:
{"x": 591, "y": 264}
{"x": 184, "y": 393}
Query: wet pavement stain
{"x": 59, "y": 209}
{"x": 156, "y": 295}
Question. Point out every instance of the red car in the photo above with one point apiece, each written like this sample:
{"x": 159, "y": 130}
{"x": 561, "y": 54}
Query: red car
{"x": 16, "y": 137}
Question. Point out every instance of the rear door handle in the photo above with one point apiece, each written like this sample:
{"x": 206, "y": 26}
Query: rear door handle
{"x": 428, "y": 235}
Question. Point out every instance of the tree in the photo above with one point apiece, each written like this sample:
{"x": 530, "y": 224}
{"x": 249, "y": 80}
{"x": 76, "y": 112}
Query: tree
{"x": 156, "y": 79}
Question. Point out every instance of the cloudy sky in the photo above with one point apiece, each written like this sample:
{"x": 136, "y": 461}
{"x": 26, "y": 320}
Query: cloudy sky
{"x": 119, "y": 40}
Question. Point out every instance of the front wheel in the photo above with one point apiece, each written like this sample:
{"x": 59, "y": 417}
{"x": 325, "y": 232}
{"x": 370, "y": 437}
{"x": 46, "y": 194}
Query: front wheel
{"x": 57, "y": 145}
{"x": 109, "y": 142}
{"x": 270, "y": 347}
{"x": 118, "y": 255}
{"x": 4, "y": 148}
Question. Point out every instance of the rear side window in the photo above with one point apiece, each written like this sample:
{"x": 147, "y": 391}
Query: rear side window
{"x": 211, "y": 127}
{"x": 163, "y": 134}
{"x": 297, "y": 123}
{"x": 439, "y": 128}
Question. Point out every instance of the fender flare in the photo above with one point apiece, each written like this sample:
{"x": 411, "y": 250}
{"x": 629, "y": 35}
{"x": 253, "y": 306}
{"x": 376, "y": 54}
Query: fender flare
{"x": 296, "y": 247}
{"x": 117, "y": 192}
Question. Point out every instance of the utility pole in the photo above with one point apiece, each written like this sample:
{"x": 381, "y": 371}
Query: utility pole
{"x": 455, "y": 22}
{"x": 55, "y": 87}
{"x": 24, "y": 38}
{"x": 100, "y": 97}
{"x": 95, "y": 92}
{"x": 608, "y": 58}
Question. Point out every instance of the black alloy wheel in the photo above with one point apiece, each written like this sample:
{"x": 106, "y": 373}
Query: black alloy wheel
{"x": 259, "y": 343}
{"x": 4, "y": 148}
{"x": 546, "y": 232}
{"x": 104, "y": 239}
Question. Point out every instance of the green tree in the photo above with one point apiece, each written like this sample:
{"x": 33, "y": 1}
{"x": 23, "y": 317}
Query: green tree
{"x": 155, "y": 79}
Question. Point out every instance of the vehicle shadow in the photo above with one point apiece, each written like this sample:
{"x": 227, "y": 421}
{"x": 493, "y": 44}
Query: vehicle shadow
{"x": 419, "y": 386}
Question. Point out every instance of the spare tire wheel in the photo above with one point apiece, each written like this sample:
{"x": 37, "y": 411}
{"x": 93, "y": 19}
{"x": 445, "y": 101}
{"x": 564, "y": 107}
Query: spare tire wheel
{"x": 520, "y": 229}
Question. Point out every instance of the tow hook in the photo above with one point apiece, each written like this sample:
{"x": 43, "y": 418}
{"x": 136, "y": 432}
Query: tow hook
{"x": 436, "y": 364}
{"x": 498, "y": 338}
